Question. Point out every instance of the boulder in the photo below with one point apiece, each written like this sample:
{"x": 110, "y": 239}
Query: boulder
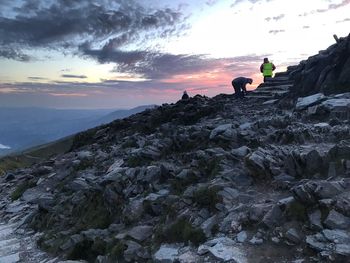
{"x": 336, "y": 220}
{"x": 167, "y": 253}
{"x": 224, "y": 249}
{"x": 305, "y": 102}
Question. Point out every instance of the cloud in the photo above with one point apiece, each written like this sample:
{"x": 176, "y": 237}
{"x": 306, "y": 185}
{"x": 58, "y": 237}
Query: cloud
{"x": 156, "y": 65}
{"x": 250, "y": 1}
{"x": 329, "y": 8}
{"x": 73, "y": 76}
{"x": 68, "y": 94}
{"x": 344, "y": 20}
{"x": 66, "y": 24}
{"x": 276, "y": 31}
{"x": 37, "y": 78}
{"x": 211, "y": 2}
{"x": 276, "y": 18}
{"x": 10, "y": 53}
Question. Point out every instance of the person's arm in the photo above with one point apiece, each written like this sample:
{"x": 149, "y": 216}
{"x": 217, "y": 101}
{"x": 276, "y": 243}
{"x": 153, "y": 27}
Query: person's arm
{"x": 262, "y": 68}
{"x": 273, "y": 67}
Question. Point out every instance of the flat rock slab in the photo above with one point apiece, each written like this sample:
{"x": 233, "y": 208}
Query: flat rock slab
{"x": 308, "y": 101}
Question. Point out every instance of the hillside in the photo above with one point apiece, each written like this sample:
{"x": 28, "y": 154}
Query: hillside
{"x": 262, "y": 179}
{"x": 28, "y": 127}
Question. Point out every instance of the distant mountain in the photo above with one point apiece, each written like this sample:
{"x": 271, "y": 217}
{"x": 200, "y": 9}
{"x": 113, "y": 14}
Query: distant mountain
{"x": 21, "y": 128}
{"x": 120, "y": 114}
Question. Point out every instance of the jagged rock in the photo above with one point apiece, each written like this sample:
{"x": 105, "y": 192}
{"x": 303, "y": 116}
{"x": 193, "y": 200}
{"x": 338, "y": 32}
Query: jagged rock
{"x": 208, "y": 225}
{"x": 187, "y": 255}
{"x": 293, "y": 236}
{"x": 134, "y": 252}
{"x": 242, "y": 236}
{"x": 315, "y": 220}
{"x": 336, "y": 220}
{"x": 317, "y": 242}
{"x": 256, "y": 241}
{"x": 309, "y": 101}
{"x": 225, "y": 132}
{"x": 273, "y": 217}
{"x": 140, "y": 233}
{"x": 223, "y": 248}
{"x": 336, "y": 236}
{"x": 167, "y": 254}
{"x": 241, "y": 151}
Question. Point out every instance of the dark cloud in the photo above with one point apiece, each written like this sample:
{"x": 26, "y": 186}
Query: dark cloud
{"x": 67, "y": 24}
{"x": 70, "y": 76}
{"x": 155, "y": 65}
{"x": 276, "y": 31}
{"x": 275, "y": 18}
{"x": 14, "y": 54}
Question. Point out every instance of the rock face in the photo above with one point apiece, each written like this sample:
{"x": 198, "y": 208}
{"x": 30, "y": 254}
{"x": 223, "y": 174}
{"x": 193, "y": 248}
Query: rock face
{"x": 327, "y": 72}
{"x": 202, "y": 180}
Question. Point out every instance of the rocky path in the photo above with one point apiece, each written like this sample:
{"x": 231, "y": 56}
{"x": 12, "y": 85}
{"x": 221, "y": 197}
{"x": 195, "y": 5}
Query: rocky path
{"x": 16, "y": 247}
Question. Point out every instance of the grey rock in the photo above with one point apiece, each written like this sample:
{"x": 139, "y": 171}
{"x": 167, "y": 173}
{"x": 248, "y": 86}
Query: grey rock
{"x": 242, "y": 236}
{"x": 134, "y": 251}
{"x": 208, "y": 224}
{"x": 342, "y": 249}
{"x": 140, "y": 233}
{"x": 167, "y": 253}
{"x": 315, "y": 242}
{"x": 336, "y": 220}
{"x": 293, "y": 236}
{"x": 273, "y": 217}
{"x": 256, "y": 241}
{"x": 224, "y": 249}
{"x": 315, "y": 220}
{"x": 224, "y": 131}
{"x": 241, "y": 151}
{"x": 336, "y": 236}
{"x": 305, "y": 102}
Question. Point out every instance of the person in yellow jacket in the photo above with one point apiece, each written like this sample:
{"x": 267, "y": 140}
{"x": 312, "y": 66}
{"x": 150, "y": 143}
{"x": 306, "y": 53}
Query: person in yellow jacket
{"x": 266, "y": 69}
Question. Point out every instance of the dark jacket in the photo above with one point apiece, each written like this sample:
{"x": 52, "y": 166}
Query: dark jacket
{"x": 241, "y": 81}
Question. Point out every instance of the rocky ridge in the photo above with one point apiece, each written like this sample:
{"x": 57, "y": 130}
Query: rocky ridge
{"x": 217, "y": 179}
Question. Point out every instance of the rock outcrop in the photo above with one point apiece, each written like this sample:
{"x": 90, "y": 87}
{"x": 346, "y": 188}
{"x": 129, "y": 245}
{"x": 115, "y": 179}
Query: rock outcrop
{"x": 202, "y": 180}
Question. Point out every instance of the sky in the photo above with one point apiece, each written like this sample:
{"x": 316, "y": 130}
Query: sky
{"x": 125, "y": 53}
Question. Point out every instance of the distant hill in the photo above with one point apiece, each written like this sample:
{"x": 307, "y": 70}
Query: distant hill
{"x": 22, "y": 128}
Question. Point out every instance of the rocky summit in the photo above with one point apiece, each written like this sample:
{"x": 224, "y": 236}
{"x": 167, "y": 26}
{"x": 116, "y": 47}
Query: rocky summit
{"x": 260, "y": 179}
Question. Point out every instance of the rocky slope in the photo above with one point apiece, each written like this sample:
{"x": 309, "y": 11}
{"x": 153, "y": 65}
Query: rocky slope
{"x": 327, "y": 72}
{"x": 261, "y": 179}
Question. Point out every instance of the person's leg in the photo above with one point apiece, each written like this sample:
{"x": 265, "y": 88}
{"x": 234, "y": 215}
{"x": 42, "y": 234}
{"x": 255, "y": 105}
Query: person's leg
{"x": 236, "y": 88}
{"x": 244, "y": 91}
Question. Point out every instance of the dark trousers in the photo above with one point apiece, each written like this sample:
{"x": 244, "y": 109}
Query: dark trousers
{"x": 266, "y": 78}
{"x": 239, "y": 90}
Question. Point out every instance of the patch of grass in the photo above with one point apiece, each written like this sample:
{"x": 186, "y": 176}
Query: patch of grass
{"x": 181, "y": 231}
{"x": 297, "y": 211}
{"x": 135, "y": 161}
{"x": 207, "y": 197}
{"x": 209, "y": 167}
{"x": 117, "y": 251}
{"x": 131, "y": 143}
{"x": 18, "y": 192}
{"x": 84, "y": 164}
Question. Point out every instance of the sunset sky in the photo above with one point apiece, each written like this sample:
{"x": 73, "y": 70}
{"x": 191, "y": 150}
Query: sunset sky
{"x": 125, "y": 53}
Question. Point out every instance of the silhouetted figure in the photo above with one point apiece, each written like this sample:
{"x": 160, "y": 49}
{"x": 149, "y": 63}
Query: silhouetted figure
{"x": 266, "y": 69}
{"x": 239, "y": 86}
{"x": 185, "y": 96}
